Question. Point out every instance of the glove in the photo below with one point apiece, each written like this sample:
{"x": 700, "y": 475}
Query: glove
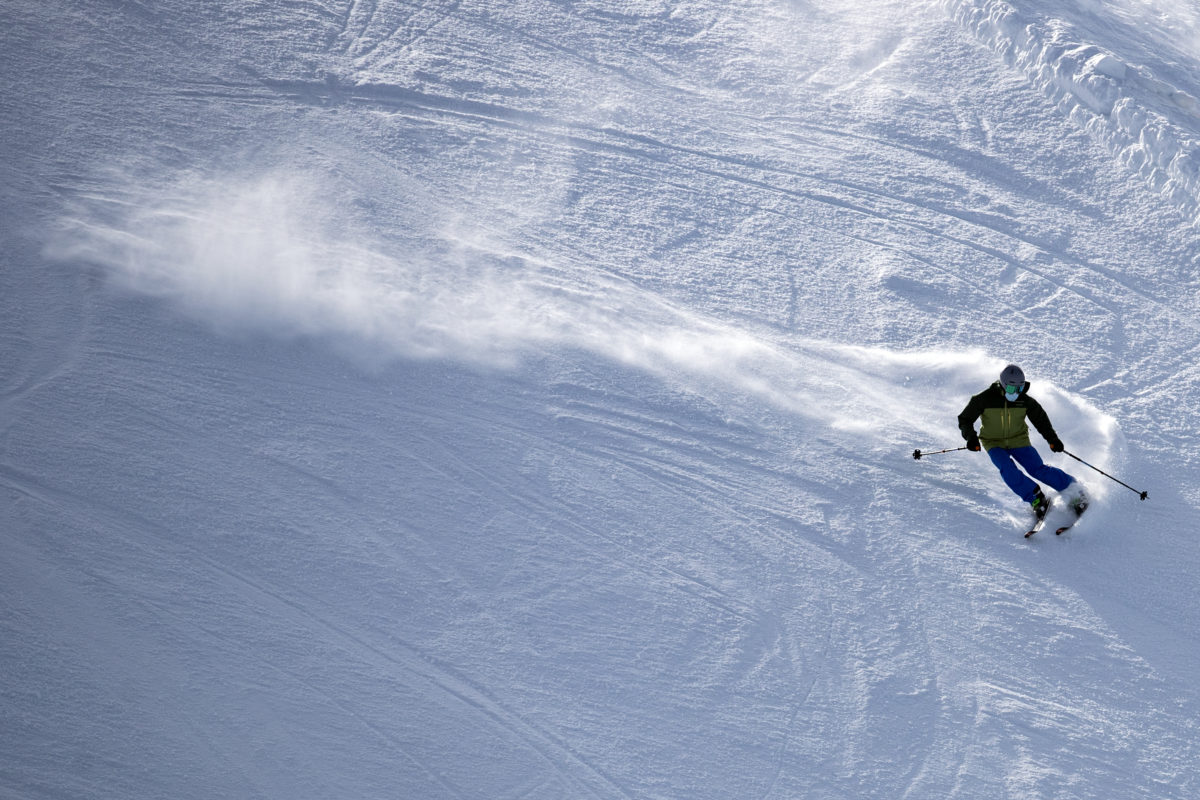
{"x": 1056, "y": 446}
{"x": 973, "y": 444}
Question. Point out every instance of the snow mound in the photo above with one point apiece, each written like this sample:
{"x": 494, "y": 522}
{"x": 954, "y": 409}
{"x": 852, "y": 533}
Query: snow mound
{"x": 1147, "y": 124}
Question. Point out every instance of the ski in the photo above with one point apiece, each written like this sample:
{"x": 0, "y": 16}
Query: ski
{"x": 1041, "y": 522}
{"x": 1037, "y": 526}
{"x": 1060, "y": 531}
{"x": 1078, "y": 513}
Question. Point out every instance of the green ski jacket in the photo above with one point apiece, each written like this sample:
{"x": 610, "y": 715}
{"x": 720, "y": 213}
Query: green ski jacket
{"x": 1003, "y": 419}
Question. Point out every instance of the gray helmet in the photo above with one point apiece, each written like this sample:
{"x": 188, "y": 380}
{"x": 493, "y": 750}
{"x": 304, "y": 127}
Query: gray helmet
{"x": 1012, "y": 376}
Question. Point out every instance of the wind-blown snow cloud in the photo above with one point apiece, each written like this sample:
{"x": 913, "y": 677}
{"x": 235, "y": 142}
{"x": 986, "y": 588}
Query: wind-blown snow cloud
{"x": 271, "y": 254}
{"x": 276, "y": 255}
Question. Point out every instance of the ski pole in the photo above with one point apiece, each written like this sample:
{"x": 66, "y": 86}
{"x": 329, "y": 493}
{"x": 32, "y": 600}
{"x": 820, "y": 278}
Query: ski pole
{"x": 917, "y": 453}
{"x": 1142, "y": 495}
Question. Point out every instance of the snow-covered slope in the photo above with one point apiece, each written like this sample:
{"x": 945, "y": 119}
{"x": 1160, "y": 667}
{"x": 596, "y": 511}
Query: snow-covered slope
{"x": 465, "y": 399}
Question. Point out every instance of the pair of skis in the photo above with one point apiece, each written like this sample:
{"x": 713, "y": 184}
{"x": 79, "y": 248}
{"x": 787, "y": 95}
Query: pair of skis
{"x": 1041, "y": 523}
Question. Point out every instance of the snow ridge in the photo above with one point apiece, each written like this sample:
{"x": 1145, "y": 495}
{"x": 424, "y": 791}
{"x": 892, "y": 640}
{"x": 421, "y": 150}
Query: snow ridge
{"x": 1147, "y": 124}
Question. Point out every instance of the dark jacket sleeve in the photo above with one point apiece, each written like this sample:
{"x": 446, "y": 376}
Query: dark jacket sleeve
{"x": 966, "y": 420}
{"x": 1037, "y": 415}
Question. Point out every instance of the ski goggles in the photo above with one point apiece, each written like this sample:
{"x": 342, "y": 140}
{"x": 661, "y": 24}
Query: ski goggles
{"x": 1012, "y": 388}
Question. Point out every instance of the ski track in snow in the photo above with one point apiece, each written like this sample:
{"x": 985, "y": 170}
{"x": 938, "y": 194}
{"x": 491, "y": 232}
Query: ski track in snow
{"x": 445, "y": 399}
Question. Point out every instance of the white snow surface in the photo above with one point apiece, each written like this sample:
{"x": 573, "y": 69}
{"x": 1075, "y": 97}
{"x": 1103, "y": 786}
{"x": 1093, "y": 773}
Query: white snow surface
{"x": 460, "y": 399}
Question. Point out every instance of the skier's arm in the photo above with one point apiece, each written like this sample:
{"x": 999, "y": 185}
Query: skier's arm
{"x": 966, "y": 420}
{"x": 1041, "y": 420}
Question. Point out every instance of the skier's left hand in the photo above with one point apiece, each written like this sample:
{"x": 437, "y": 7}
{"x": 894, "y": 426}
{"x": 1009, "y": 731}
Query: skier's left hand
{"x": 1056, "y": 446}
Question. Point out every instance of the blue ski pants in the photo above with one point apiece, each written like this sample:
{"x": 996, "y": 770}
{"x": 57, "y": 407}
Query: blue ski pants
{"x": 1031, "y": 461}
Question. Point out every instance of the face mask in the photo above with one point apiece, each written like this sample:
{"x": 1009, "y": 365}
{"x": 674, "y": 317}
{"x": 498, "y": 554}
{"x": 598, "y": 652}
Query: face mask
{"x": 1011, "y": 392}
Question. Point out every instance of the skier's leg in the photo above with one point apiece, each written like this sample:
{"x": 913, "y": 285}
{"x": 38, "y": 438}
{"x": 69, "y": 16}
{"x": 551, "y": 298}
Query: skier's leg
{"x": 1021, "y": 485}
{"x": 1031, "y": 461}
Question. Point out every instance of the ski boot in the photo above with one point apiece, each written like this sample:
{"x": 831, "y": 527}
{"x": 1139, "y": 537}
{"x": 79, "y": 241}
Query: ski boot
{"x": 1040, "y": 504}
{"x": 1078, "y": 501}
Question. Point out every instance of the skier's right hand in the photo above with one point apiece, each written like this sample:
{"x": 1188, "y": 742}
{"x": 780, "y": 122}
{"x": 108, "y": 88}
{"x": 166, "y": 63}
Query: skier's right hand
{"x": 973, "y": 445}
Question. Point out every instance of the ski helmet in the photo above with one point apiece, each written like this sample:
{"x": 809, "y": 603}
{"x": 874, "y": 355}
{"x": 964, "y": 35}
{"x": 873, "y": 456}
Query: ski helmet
{"x": 1013, "y": 376}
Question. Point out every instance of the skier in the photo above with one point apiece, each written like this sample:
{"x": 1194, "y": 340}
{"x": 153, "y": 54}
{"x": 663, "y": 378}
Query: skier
{"x": 1004, "y": 407}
